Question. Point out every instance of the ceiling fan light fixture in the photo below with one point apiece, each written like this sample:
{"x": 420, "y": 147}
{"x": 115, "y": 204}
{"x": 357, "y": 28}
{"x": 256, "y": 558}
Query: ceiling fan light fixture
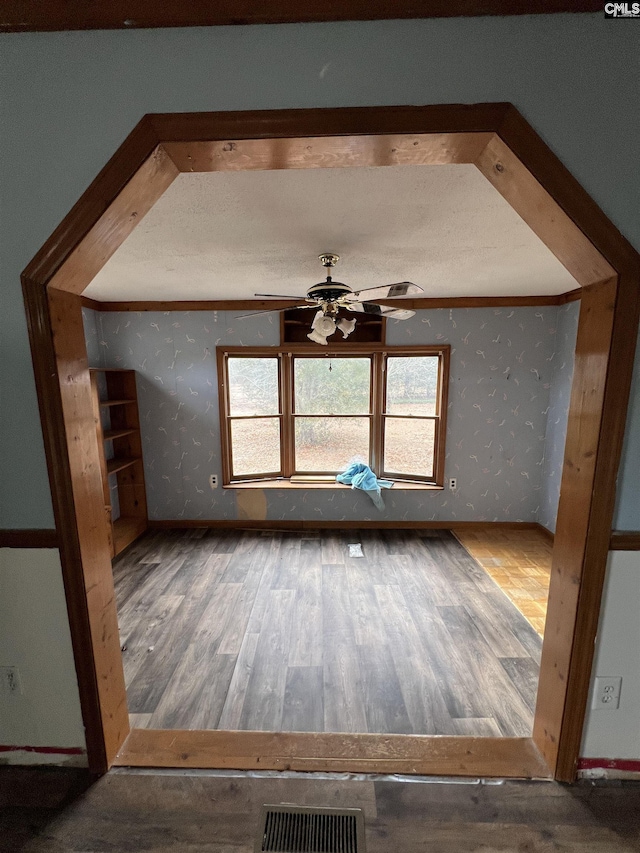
{"x": 317, "y": 338}
{"x": 322, "y": 328}
{"x": 346, "y": 326}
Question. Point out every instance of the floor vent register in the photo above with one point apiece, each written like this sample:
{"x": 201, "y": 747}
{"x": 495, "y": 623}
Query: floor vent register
{"x": 301, "y": 829}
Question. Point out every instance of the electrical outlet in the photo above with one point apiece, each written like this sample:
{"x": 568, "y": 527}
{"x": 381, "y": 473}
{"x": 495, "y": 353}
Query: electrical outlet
{"x": 10, "y": 681}
{"x": 453, "y": 484}
{"x": 606, "y": 692}
{"x": 213, "y": 481}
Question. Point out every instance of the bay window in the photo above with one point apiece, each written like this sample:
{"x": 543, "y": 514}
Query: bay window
{"x": 287, "y": 411}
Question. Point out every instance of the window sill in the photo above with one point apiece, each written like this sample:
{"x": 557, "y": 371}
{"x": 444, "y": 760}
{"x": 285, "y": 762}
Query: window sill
{"x": 398, "y": 485}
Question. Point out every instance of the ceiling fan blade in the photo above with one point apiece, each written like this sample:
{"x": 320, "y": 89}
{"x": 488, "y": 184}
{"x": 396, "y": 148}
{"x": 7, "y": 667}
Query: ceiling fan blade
{"x": 386, "y": 291}
{"x": 272, "y": 311}
{"x": 279, "y": 296}
{"x": 379, "y": 310}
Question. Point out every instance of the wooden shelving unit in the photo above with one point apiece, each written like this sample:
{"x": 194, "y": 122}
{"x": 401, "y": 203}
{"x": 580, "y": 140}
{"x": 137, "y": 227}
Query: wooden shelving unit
{"x": 115, "y": 402}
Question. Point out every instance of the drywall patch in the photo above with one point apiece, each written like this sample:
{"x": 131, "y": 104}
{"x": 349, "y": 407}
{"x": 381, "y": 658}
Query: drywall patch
{"x": 251, "y": 504}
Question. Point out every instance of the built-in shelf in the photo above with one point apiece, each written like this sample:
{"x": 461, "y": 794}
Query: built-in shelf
{"x": 106, "y": 403}
{"x": 295, "y": 324}
{"x": 110, "y": 434}
{"x": 126, "y": 529}
{"x": 119, "y": 463}
{"x": 117, "y": 421}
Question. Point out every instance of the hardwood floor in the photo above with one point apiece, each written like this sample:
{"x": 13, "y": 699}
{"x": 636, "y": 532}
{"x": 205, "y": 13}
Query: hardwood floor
{"x": 278, "y": 631}
{"x": 56, "y": 811}
{"x": 519, "y": 561}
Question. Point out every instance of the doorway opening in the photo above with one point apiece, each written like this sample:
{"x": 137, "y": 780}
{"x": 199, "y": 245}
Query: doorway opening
{"x": 509, "y": 154}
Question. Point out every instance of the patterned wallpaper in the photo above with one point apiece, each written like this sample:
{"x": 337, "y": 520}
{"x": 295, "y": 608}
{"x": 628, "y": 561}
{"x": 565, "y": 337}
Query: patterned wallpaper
{"x": 559, "y": 396}
{"x": 504, "y": 362}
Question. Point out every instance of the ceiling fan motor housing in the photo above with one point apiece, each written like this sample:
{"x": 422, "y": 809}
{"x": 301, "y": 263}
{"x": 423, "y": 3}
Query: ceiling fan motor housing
{"x": 328, "y": 291}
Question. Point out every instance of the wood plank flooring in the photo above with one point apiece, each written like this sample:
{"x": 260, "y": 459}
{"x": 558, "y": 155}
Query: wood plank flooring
{"x": 519, "y": 561}
{"x": 55, "y": 811}
{"x": 277, "y": 631}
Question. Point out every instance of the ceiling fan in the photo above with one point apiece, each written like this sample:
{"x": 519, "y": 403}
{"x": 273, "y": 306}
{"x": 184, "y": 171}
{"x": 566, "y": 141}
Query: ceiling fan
{"x": 331, "y": 297}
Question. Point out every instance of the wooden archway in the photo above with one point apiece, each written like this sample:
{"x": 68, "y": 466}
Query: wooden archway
{"x": 522, "y": 168}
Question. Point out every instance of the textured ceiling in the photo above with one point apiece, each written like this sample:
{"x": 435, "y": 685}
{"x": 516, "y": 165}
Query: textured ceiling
{"x": 226, "y": 235}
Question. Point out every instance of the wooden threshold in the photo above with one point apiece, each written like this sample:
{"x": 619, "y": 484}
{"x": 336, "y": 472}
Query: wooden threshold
{"x": 334, "y": 752}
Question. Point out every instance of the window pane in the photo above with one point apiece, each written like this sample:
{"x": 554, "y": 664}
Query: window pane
{"x": 408, "y": 446}
{"x": 327, "y": 444}
{"x": 332, "y": 386}
{"x": 412, "y": 385}
{"x": 255, "y": 446}
{"x": 253, "y": 386}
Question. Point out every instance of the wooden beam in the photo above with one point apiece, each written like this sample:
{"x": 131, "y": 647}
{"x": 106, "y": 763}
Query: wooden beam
{"x": 352, "y": 753}
{"x": 321, "y": 152}
{"x": 575, "y": 583}
{"x": 100, "y": 195}
{"x": 437, "y": 120}
{"x": 569, "y": 196}
{"x": 53, "y": 426}
{"x": 33, "y": 15}
{"x": 85, "y": 529}
{"x": 608, "y": 450}
{"x": 543, "y": 215}
{"x": 113, "y": 226}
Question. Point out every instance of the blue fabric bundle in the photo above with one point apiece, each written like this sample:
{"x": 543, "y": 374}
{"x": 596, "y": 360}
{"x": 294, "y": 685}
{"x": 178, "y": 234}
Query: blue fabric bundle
{"x": 358, "y": 475}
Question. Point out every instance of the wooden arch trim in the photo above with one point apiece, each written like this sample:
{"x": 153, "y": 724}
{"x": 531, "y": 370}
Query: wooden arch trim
{"x": 505, "y": 148}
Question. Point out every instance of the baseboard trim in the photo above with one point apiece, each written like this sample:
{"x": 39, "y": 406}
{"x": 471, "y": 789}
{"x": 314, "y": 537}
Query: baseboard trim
{"x": 625, "y": 540}
{"x": 45, "y": 750}
{"x": 319, "y": 524}
{"x": 609, "y": 768}
{"x": 28, "y": 538}
{"x": 546, "y": 532}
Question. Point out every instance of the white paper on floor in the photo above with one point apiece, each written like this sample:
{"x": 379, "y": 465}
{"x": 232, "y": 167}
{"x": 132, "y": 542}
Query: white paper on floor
{"x": 355, "y": 550}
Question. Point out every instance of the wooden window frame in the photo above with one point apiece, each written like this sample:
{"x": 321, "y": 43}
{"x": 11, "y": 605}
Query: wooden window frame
{"x": 287, "y": 355}
{"x": 226, "y": 418}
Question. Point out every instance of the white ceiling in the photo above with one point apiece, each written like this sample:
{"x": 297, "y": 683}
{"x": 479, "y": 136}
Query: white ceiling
{"x": 228, "y": 235}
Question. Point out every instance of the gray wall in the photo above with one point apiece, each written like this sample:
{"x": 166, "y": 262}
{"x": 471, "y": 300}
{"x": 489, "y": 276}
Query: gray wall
{"x": 559, "y": 399}
{"x": 69, "y": 99}
{"x": 504, "y": 362}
